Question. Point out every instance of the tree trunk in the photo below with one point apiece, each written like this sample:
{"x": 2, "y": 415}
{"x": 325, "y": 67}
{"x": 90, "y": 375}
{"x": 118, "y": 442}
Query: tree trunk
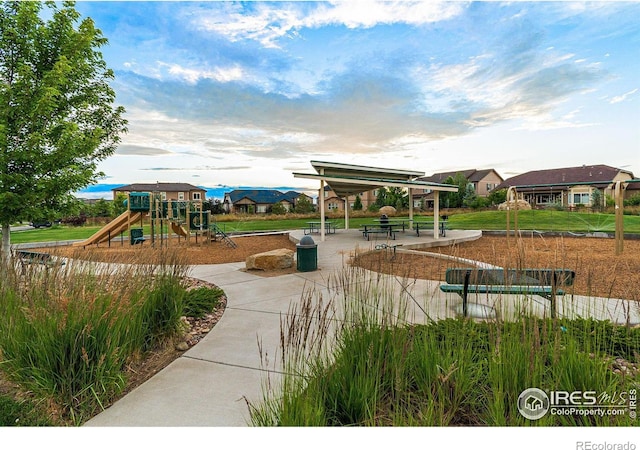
{"x": 6, "y": 245}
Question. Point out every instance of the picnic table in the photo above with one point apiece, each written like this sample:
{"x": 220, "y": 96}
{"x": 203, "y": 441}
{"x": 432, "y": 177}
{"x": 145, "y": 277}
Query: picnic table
{"x": 428, "y": 226}
{"x": 399, "y": 222}
{"x": 388, "y": 229}
{"x": 314, "y": 227}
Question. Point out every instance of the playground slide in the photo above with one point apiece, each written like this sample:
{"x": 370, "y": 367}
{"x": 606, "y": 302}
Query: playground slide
{"x": 113, "y": 228}
{"x": 178, "y": 229}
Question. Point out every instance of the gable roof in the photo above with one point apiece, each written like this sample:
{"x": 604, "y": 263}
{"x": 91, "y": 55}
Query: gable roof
{"x": 264, "y": 196}
{"x": 153, "y": 187}
{"x": 472, "y": 175}
{"x": 599, "y": 175}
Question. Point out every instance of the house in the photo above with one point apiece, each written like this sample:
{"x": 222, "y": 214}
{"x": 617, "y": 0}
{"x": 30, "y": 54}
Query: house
{"x": 260, "y": 201}
{"x": 168, "y": 191}
{"x": 569, "y": 186}
{"x": 334, "y": 203}
{"x": 483, "y": 181}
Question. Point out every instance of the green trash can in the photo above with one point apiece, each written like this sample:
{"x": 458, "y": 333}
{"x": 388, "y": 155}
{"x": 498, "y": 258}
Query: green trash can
{"x": 307, "y": 255}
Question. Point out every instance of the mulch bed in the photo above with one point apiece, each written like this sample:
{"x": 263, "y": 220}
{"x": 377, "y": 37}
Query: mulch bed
{"x": 599, "y": 272}
{"x": 191, "y": 253}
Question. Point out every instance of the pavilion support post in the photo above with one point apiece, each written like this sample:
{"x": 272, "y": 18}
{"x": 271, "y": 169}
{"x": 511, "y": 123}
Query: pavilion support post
{"x": 436, "y": 214}
{"x": 410, "y": 209}
{"x": 346, "y": 213}
{"x": 321, "y": 201}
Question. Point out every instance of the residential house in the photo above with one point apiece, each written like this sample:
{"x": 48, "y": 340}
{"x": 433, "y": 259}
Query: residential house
{"x": 168, "y": 191}
{"x": 483, "y": 182}
{"x": 334, "y": 203}
{"x": 260, "y": 201}
{"x": 569, "y": 186}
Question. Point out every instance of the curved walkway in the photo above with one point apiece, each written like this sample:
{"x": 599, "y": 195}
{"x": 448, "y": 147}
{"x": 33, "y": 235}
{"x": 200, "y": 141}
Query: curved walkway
{"x": 210, "y": 384}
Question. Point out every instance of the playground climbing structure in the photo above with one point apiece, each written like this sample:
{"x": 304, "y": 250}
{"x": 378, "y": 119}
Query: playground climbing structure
{"x": 182, "y": 218}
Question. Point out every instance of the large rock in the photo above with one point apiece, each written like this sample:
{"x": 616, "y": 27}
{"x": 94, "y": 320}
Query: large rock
{"x": 281, "y": 258}
{"x": 522, "y": 205}
{"x": 388, "y": 210}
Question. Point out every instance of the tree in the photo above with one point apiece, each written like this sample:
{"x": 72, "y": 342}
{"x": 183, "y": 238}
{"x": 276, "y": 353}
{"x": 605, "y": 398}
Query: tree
{"x": 381, "y": 197}
{"x": 455, "y": 199}
{"x": 357, "y": 204}
{"x": 102, "y": 208}
{"x": 596, "y": 199}
{"x": 278, "y": 208}
{"x": 119, "y": 204}
{"x": 497, "y": 196}
{"x": 57, "y": 118}
{"x": 304, "y": 205}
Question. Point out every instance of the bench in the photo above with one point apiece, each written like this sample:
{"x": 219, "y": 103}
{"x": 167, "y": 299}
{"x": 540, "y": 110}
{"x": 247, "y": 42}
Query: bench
{"x": 137, "y": 236}
{"x": 45, "y": 259}
{"x": 543, "y": 282}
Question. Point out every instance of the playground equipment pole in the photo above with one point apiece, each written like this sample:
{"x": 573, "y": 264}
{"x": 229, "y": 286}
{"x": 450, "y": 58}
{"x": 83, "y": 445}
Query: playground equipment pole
{"x": 619, "y": 208}
{"x": 512, "y": 192}
{"x": 128, "y": 218}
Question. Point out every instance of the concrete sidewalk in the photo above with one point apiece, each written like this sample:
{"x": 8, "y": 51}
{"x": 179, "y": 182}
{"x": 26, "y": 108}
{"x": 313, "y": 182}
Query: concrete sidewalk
{"x": 210, "y": 384}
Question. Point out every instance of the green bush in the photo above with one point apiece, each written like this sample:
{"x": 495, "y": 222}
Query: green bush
{"x": 201, "y": 301}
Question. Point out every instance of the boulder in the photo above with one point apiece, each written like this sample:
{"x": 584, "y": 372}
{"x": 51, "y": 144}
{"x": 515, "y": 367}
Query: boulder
{"x": 522, "y": 205}
{"x": 388, "y": 211}
{"x": 281, "y": 258}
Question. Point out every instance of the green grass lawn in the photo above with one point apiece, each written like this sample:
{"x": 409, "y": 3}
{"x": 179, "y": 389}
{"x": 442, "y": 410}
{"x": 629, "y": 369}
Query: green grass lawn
{"x": 481, "y": 220}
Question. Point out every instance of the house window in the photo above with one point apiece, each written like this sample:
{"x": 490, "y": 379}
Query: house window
{"x": 197, "y": 196}
{"x": 163, "y": 195}
{"x": 332, "y": 206}
{"x": 490, "y": 186}
{"x": 261, "y": 208}
{"x": 180, "y": 195}
{"x": 581, "y": 199}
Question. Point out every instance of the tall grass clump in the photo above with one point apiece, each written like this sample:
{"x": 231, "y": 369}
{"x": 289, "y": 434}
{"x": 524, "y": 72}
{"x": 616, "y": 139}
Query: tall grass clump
{"x": 67, "y": 333}
{"x": 374, "y": 360}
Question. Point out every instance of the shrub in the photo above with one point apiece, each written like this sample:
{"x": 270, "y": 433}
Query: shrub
{"x": 201, "y": 301}
{"x": 75, "y": 221}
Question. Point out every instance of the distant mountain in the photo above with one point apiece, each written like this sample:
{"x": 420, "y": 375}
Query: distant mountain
{"x": 217, "y": 192}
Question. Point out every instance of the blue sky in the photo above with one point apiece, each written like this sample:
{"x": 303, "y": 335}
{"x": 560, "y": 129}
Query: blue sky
{"x": 243, "y": 94}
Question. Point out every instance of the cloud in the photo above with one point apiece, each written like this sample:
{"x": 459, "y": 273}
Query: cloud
{"x": 268, "y": 23}
{"x": 192, "y": 76}
{"x": 140, "y": 150}
{"x": 623, "y": 97}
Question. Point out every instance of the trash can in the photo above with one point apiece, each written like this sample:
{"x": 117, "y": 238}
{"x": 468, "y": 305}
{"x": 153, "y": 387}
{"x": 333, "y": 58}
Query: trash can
{"x": 307, "y": 255}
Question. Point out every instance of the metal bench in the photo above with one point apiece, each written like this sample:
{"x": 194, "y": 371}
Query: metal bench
{"x": 27, "y": 258}
{"x": 542, "y": 282}
{"x": 137, "y": 236}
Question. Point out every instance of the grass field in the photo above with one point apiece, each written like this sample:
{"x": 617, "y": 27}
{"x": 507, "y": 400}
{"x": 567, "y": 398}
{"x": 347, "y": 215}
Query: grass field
{"x": 558, "y": 221}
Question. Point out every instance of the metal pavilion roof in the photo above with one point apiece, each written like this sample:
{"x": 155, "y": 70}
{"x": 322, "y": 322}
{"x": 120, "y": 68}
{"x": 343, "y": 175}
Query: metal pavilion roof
{"x": 350, "y": 179}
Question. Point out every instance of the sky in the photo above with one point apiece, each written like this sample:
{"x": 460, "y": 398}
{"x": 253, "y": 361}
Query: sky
{"x": 237, "y": 94}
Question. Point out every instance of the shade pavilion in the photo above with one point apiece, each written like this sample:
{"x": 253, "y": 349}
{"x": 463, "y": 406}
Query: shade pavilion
{"x": 349, "y": 179}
